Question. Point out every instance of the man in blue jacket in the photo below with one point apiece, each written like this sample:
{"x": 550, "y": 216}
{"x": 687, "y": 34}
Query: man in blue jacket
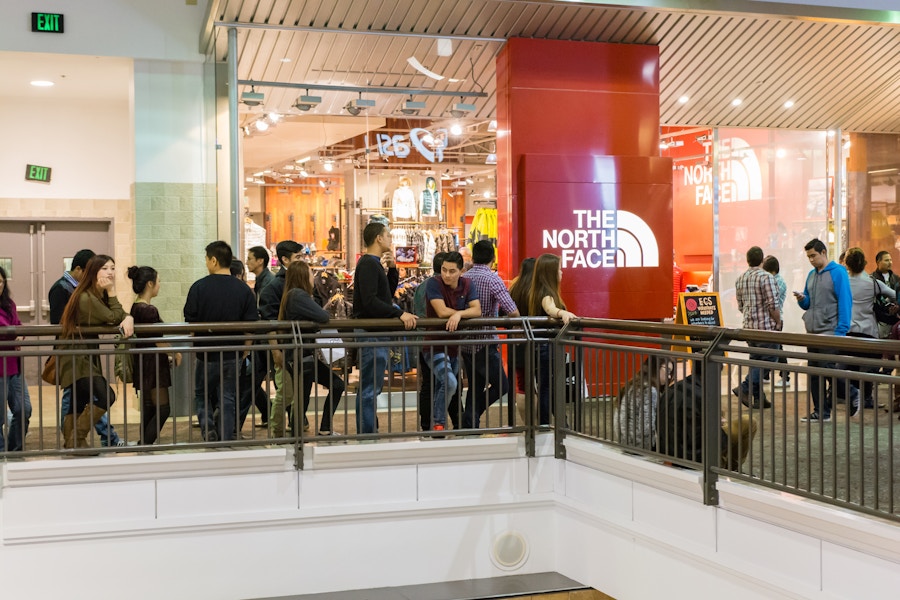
{"x": 828, "y": 303}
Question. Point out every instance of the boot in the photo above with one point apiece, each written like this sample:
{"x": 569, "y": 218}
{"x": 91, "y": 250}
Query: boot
{"x": 69, "y": 431}
{"x": 85, "y": 422}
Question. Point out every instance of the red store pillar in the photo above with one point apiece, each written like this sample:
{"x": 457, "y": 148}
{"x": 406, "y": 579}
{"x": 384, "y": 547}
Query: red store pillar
{"x": 579, "y": 173}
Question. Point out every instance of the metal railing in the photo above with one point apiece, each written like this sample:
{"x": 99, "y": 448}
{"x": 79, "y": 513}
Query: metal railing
{"x": 577, "y": 380}
{"x": 695, "y": 414}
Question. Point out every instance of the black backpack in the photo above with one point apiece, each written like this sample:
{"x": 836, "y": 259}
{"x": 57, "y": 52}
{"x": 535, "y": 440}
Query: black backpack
{"x": 680, "y": 420}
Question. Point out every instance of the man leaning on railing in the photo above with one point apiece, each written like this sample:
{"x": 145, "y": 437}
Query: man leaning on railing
{"x": 373, "y": 290}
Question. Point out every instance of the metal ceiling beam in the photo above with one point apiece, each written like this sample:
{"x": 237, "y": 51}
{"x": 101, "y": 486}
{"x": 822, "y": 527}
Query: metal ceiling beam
{"x": 409, "y": 34}
{"x": 361, "y": 90}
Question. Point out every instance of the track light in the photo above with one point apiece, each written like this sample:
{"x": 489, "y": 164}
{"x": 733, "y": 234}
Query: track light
{"x": 411, "y": 107}
{"x": 460, "y": 109}
{"x": 261, "y": 125}
{"x": 456, "y": 129}
{"x": 354, "y": 107}
{"x": 253, "y": 98}
{"x": 307, "y": 102}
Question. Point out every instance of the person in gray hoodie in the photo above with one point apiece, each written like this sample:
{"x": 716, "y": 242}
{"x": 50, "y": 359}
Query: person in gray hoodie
{"x": 828, "y": 303}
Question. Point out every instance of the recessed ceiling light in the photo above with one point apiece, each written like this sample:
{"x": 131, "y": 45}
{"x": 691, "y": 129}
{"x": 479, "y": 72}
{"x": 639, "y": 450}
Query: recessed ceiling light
{"x": 789, "y": 104}
{"x": 780, "y": 153}
{"x": 285, "y": 59}
{"x": 42, "y": 83}
{"x": 736, "y": 102}
{"x": 683, "y": 100}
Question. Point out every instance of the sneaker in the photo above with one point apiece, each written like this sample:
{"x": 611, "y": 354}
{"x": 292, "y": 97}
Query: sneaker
{"x": 855, "y": 410}
{"x": 782, "y": 383}
{"x": 212, "y": 436}
{"x": 814, "y": 418}
{"x": 438, "y": 427}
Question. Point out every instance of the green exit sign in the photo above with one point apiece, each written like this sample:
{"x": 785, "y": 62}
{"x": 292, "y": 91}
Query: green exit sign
{"x": 47, "y": 22}
{"x": 37, "y": 173}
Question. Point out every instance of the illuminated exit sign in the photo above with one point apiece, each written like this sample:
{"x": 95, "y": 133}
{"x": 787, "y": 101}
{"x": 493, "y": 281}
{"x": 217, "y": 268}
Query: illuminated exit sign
{"x": 37, "y": 173}
{"x": 47, "y": 22}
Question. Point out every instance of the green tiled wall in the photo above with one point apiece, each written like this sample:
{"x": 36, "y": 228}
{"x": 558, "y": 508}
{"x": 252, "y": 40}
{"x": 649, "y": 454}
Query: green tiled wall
{"x": 173, "y": 223}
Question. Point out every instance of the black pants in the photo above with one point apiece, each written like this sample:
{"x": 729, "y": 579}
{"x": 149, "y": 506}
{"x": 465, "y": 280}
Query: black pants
{"x": 487, "y": 384}
{"x": 426, "y": 400}
{"x": 315, "y": 371}
{"x": 92, "y": 389}
{"x": 251, "y": 390}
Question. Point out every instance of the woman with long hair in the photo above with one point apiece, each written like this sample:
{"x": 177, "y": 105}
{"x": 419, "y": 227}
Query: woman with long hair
{"x": 13, "y": 389}
{"x": 544, "y": 300}
{"x": 152, "y": 374}
{"x": 297, "y": 304}
{"x": 518, "y": 291}
{"x": 94, "y": 302}
{"x": 865, "y": 289}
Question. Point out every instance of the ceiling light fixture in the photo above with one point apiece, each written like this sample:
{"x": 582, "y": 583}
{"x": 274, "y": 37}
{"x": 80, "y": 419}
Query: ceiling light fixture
{"x": 737, "y": 102}
{"x": 261, "y": 125}
{"x": 285, "y": 60}
{"x": 456, "y": 129}
{"x": 683, "y": 100}
{"x": 354, "y": 107}
{"x": 492, "y": 126}
{"x": 460, "y": 109}
{"x": 789, "y": 104}
{"x": 42, "y": 83}
{"x": 253, "y": 98}
{"x": 411, "y": 107}
{"x": 307, "y": 102}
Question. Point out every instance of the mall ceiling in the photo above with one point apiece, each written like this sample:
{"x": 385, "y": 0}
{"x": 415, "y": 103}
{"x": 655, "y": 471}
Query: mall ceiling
{"x": 837, "y": 74}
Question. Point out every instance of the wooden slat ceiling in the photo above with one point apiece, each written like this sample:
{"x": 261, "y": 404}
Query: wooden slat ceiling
{"x": 837, "y": 74}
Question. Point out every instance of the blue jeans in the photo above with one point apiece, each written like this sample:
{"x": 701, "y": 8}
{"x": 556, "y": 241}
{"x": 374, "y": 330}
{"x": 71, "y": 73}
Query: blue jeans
{"x": 108, "y": 435}
{"x": 445, "y": 371}
{"x": 751, "y": 383}
{"x": 373, "y": 362}
{"x": 215, "y": 397}
{"x": 14, "y": 393}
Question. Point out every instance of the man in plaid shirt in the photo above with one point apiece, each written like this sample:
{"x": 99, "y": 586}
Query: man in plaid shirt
{"x": 757, "y": 298}
{"x": 482, "y": 364}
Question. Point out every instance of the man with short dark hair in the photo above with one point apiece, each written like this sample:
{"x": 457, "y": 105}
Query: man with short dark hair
{"x": 828, "y": 303}
{"x": 287, "y": 251}
{"x": 757, "y": 299}
{"x": 483, "y": 365}
{"x": 218, "y": 298}
{"x": 258, "y": 264}
{"x": 373, "y": 293}
{"x": 453, "y": 298}
{"x": 58, "y": 296}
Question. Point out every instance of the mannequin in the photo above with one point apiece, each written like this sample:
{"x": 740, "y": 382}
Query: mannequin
{"x": 334, "y": 236}
{"x": 404, "y": 201}
{"x": 431, "y": 200}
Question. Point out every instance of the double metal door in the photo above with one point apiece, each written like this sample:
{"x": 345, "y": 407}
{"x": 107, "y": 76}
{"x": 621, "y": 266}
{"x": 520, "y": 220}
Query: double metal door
{"x": 35, "y": 254}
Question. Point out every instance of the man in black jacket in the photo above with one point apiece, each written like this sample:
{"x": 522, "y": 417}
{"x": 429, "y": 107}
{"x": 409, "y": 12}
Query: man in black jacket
{"x": 287, "y": 251}
{"x": 373, "y": 293}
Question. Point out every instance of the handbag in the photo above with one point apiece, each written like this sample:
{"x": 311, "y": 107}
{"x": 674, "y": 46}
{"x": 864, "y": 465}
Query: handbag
{"x": 124, "y": 364}
{"x": 329, "y": 356}
{"x": 48, "y": 373}
{"x": 883, "y": 306}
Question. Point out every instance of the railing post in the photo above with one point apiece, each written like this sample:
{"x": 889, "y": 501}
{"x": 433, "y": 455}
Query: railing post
{"x": 528, "y": 385}
{"x": 559, "y": 391}
{"x": 297, "y": 412}
{"x": 712, "y": 419}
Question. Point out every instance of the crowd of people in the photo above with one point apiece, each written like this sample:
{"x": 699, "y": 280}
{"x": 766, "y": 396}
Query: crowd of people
{"x": 837, "y": 300}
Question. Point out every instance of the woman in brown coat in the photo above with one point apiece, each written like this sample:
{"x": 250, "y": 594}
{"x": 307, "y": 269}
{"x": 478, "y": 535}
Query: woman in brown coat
{"x": 93, "y": 303}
